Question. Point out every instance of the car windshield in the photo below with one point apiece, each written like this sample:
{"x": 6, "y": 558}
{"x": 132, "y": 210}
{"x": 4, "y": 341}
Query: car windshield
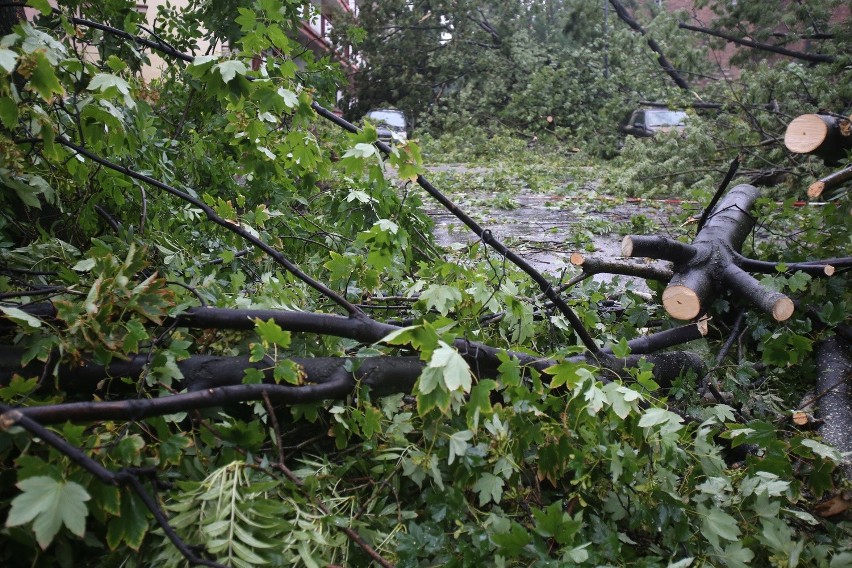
{"x": 392, "y": 118}
{"x": 665, "y": 118}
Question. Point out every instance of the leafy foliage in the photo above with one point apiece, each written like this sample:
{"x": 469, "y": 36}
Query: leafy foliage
{"x": 128, "y": 208}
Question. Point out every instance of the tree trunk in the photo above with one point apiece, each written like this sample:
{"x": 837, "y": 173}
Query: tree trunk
{"x": 821, "y": 135}
{"x": 834, "y": 391}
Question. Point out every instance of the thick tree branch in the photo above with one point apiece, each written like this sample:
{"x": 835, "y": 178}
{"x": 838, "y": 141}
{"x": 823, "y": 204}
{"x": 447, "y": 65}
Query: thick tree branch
{"x": 591, "y": 265}
{"x": 836, "y": 179}
{"x": 812, "y": 57}
{"x": 711, "y": 260}
{"x": 625, "y": 16}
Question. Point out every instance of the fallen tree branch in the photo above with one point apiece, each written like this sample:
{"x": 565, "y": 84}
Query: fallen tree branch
{"x": 723, "y": 187}
{"x": 484, "y": 234}
{"x": 812, "y": 57}
{"x": 711, "y": 261}
{"x": 591, "y": 265}
{"x": 836, "y": 179}
{"x": 823, "y": 135}
{"x": 825, "y": 267}
{"x": 625, "y": 17}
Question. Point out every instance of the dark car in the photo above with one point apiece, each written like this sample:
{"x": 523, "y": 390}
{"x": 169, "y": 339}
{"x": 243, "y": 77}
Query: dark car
{"x": 645, "y": 123}
{"x": 390, "y": 124}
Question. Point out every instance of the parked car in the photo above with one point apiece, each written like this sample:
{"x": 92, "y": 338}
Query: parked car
{"x": 645, "y": 123}
{"x": 390, "y": 124}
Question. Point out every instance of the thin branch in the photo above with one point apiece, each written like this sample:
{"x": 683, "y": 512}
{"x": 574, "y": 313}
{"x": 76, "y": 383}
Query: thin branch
{"x": 812, "y": 57}
{"x": 350, "y": 308}
{"x": 823, "y": 268}
{"x": 732, "y": 170}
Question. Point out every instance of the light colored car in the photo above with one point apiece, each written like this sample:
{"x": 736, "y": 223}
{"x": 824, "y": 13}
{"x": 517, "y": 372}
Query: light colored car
{"x": 391, "y": 124}
{"x": 645, "y": 123}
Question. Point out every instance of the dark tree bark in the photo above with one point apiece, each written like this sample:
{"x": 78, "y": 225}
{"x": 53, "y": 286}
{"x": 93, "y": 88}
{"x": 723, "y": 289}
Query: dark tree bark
{"x": 711, "y": 262}
{"x": 591, "y": 265}
{"x": 812, "y": 57}
{"x": 625, "y": 17}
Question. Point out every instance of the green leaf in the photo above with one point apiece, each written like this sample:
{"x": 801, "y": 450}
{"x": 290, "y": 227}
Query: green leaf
{"x": 103, "y": 82}
{"x": 131, "y": 525}
{"x": 567, "y": 373}
{"x": 8, "y": 59}
{"x": 8, "y": 112}
{"x": 230, "y": 69}
{"x": 43, "y": 79}
{"x": 513, "y": 542}
{"x": 490, "y": 488}
{"x": 42, "y": 6}
{"x": 654, "y": 416}
{"x": 19, "y": 316}
{"x": 361, "y": 150}
{"x": 291, "y": 99}
{"x": 737, "y": 556}
{"x": 442, "y": 298}
{"x": 454, "y": 368}
{"x": 718, "y": 524}
{"x": 84, "y": 265}
{"x": 271, "y": 333}
{"x": 823, "y": 450}
{"x": 459, "y": 444}
{"x": 621, "y": 349}
{"x": 51, "y": 504}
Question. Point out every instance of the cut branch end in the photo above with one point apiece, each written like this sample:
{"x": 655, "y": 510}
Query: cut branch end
{"x": 783, "y": 309}
{"x": 681, "y": 302}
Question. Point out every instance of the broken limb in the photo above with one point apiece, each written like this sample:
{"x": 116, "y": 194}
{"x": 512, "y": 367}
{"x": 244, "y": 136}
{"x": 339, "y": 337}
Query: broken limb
{"x": 829, "y": 182}
{"x": 711, "y": 262}
{"x": 667, "y": 338}
{"x": 625, "y": 17}
{"x": 825, "y": 267}
{"x": 812, "y": 57}
{"x": 214, "y": 381}
{"x": 591, "y": 265}
{"x": 775, "y": 303}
